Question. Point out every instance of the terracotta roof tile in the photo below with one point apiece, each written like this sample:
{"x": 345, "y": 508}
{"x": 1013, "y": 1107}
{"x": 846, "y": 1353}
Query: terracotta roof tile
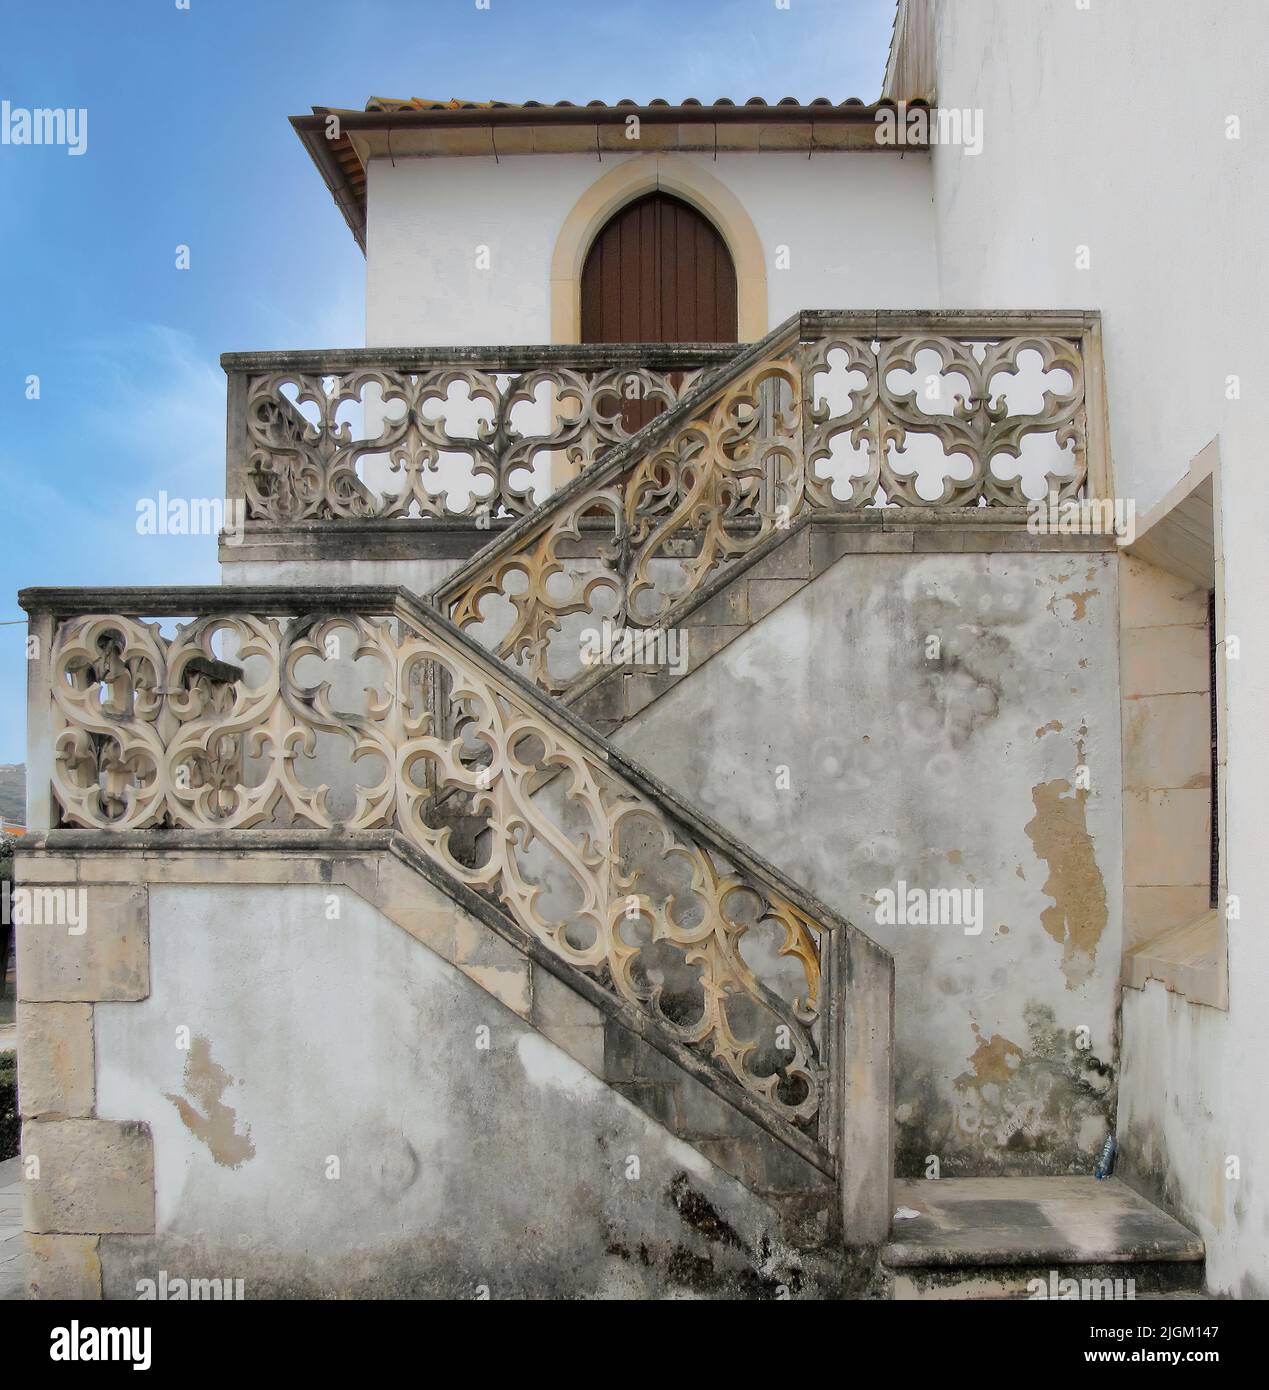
{"x": 403, "y": 104}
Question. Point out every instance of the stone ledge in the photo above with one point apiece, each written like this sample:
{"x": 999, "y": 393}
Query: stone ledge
{"x": 1189, "y": 959}
{"x": 459, "y": 538}
{"x": 984, "y": 1222}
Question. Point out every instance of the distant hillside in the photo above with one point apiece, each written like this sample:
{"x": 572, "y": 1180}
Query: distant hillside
{"x": 13, "y": 792}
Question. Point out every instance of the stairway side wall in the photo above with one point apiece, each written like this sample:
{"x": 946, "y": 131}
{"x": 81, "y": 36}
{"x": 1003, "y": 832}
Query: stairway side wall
{"x": 294, "y": 1093}
{"x": 922, "y": 719}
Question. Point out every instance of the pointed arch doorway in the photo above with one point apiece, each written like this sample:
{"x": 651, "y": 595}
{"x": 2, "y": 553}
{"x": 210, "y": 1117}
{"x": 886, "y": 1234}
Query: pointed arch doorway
{"x": 658, "y": 271}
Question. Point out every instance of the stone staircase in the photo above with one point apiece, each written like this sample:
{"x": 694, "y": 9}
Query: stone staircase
{"x": 598, "y": 907}
{"x": 958, "y": 1238}
{"x": 642, "y": 982}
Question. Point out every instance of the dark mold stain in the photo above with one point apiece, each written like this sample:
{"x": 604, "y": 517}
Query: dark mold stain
{"x": 699, "y": 1213}
{"x": 1017, "y": 1111}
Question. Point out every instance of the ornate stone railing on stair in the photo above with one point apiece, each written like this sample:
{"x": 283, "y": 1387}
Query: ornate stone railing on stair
{"x": 832, "y": 412}
{"x": 310, "y": 708}
{"x": 813, "y": 418}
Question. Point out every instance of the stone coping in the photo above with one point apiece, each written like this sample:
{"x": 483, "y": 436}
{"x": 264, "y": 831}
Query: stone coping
{"x": 922, "y": 529}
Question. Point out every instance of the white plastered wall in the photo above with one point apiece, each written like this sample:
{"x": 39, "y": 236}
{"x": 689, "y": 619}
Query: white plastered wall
{"x": 857, "y": 228}
{"x": 1106, "y": 127}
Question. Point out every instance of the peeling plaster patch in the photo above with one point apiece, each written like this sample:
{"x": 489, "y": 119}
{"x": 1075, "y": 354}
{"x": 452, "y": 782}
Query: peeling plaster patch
{"x": 1047, "y": 1098}
{"x": 1079, "y": 599}
{"x": 1078, "y": 916}
{"x": 1054, "y": 726}
{"x": 206, "y": 1081}
{"x": 993, "y": 1061}
{"x": 546, "y": 1065}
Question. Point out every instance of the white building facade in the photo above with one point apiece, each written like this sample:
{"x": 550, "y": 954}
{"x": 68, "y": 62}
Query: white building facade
{"x": 966, "y": 799}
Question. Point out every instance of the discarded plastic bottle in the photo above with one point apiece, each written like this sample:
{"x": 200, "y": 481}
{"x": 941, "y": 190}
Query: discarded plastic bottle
{"x": 1107, "y": 1161}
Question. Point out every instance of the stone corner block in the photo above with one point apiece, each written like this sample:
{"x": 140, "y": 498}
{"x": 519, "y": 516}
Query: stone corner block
{"x": 100, "y": 951}
{"x": 509, "y": 985}
{"x": 415, "y": 905}
{"x": 95, "y": 1177}
{"x": 55, "y": 1060}
{"x": 557, "y": 1005}
{"x": 63, "y": 1267}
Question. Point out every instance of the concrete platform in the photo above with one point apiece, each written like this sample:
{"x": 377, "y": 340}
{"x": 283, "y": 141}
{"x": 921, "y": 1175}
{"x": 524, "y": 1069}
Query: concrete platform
{"x": 1010, "y": 1221}
{"x": 993, "y": 1237}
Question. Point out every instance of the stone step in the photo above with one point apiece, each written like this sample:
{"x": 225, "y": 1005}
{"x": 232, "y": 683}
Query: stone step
{"x": 1023, "y": 1237}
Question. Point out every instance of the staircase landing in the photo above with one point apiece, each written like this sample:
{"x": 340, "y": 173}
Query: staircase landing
{"x": 990, "y": 1237}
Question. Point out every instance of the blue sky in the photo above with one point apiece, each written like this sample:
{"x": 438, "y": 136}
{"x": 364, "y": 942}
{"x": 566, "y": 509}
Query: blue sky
{"x": 188, "y": 144}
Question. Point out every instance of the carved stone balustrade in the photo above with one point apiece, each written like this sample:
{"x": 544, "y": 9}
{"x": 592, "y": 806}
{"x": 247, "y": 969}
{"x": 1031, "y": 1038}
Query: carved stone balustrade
{"x": 832, "y": 412}
{"x": 379, "y": 434}
{"x": 363, "y": 709}
{"x": 574, "y": 518}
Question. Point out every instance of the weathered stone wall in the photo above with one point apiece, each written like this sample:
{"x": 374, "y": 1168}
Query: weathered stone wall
{"x": 1185, "y": 1134}
{"x": 351, "y": 1114}
{"x": 923, "y": 719}
{"x": 85, "y": 1176}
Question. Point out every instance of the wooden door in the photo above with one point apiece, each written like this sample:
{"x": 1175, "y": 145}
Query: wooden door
{"x": 658, "y": 272}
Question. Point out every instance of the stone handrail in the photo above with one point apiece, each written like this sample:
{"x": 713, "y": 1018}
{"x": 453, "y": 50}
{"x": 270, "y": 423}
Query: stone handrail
{"x": 815, "y": 417}
{"x": 243, "y": 714}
